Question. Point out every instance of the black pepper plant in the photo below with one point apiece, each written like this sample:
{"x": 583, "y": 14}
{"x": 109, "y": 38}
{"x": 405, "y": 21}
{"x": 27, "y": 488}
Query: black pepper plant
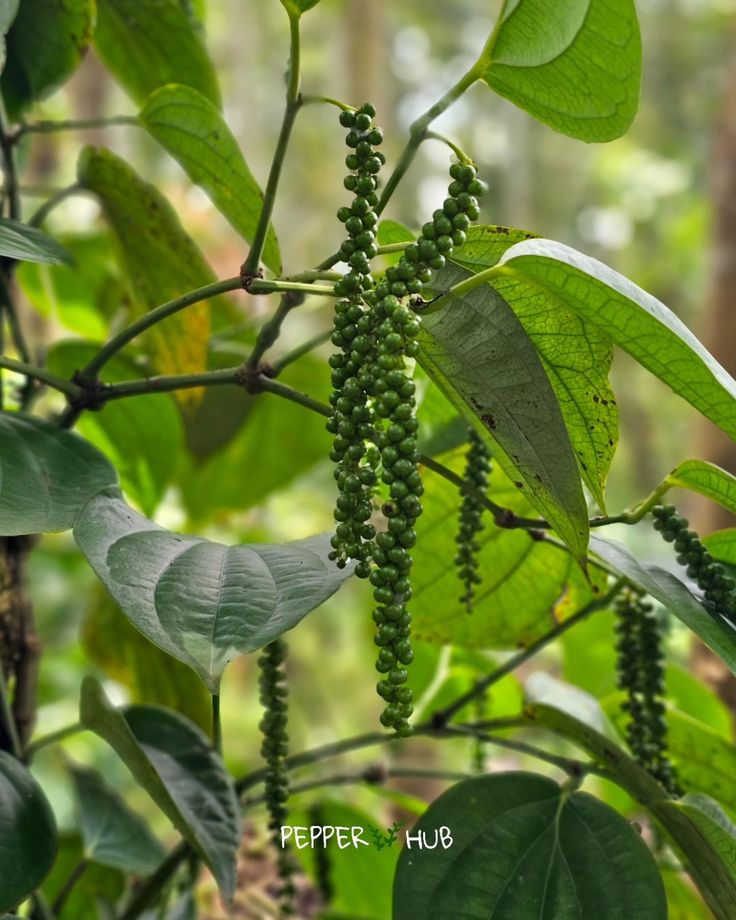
{"x": 426, "y": 326}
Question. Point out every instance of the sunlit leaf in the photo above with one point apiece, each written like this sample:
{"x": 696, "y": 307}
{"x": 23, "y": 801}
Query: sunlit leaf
{"x": 633, "y": 319}
{"x": 159, "y": 257}
{"x": 707, "y": 479}
{"x": 575, "y": 66}
{"x": 576, "y": 355}
{"x": 476, "y": 350}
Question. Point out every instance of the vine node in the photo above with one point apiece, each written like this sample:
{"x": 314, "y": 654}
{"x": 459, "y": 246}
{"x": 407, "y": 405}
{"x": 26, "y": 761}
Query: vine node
{"x": 247, "y": 277}
{"x": 249, "y": 377}
{"x": 92, "y": 397}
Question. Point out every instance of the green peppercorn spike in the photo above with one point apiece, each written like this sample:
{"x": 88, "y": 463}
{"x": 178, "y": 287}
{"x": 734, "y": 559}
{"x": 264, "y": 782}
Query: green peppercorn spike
{"x": 477, "y": 469}
{"x": 640, "y": 667}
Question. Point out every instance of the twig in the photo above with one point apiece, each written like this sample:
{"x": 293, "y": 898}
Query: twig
{"x": 8, "y": 720}
{"x": 38, "y": 373}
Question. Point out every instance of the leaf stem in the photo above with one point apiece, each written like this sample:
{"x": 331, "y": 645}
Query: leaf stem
{"x": 68, "y": 886}
{"x": 149, "y": 890}
{"x": 167, "y": 383}
{"x": 278, "y": 285}
{"x": 216, "y": 723}
{"x": 48, "y": 126}
{"x": 60, "y": 734}
{"x": 42, "y": 212}
{"x": 442, "y": 716}
{"x": 7, "y": 718}
{"x": 153, "y": 317}
{"x": 418, "y": 132}
{"x": 293, "y": 104}
{"x": 278, "y": 366}
{"x": 38, "y": 373}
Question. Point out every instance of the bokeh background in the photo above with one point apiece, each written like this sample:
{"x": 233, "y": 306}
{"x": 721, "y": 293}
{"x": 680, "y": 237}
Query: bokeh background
{"x": 658, "y": 205}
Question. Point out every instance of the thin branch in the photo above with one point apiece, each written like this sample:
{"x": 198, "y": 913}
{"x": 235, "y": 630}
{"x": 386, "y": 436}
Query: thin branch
{"x": 48, "y": 126}
{"x": 293, "y": 104}
{"x": 281, "y": 286}
{"x": 7, "y": 719}
{"x": 60, "y": 734}
{"x": 152, "y": 318}
{"x": 278, "y": 366}
{"x": 39, "y": 373}
{"x": 442, "y": 716}
{"x": 39, "y": 216}
{"x": 9, "y": 166}
{"x": 147, "y": 893}
{"x": 168, "y": 383}
{"x": 68, "y": 886}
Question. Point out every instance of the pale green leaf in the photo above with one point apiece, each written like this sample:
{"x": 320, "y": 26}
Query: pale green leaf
{"x": 707, "y": 479}
{"x": 476, "y": 350}
{"x": 633, "y": 319}
{"x": 160, "y": 258}
{"x": 576, "y": 355}
{"x": 575, "y": 66}
{"x": 202, "y": 602}
{"x": 29, "y": 244}
{"x": 191, "y": 129}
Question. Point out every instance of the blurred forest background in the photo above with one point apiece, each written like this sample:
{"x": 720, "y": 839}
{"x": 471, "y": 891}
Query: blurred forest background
{"x": 658, "y": 205}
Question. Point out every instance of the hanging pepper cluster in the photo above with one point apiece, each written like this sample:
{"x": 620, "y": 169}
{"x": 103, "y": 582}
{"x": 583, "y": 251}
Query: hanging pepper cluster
{"x": 640, "y": 667}
{"x": 373, "y": 400}
{"x": 274, "y": 750}
{"x": 709, "y": 575}
{"x": 477, "y": 468}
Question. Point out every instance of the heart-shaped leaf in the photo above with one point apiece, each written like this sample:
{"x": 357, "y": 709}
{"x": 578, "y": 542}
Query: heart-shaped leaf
{"x": 191, "y": 129}
{"x": 28, "y": 838}
{"x": 113, "y": 835}
{"x": 576, "y": 66}
{"x": 714, "y": 630}
{"x": 46, "y": 475}
{"x": 202, "y": 602}
{"x": 476, "y": 350}
{"x": 576, "y": 355}
{"x": 28, "y": 244}
{"x": 146, "y": 44}
{"x": 523, "y": 847}
{"x": 633, "y": 319}
{"x": 174, "y": 762}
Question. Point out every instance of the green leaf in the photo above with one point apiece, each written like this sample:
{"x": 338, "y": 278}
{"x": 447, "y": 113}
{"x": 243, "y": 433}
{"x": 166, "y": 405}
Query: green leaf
{"x": 111, "y": 641}
{"x": 633, "y": 319}
{"x": 278, "y": 442}
{"x": 174, "y": 763}
{"x": 82, "y": 297}
{"x": 704, "y": 863}
{"x": 713, "y": 629}
{"x": 476, "y": 350}
{"x": 8, "y": 12}
{"x": 706, "y": 479}
{"x": 574, "y": 66}
{"x": 142, "y": 437}
{"x": 576, "y": 356}
{"x": 96, "y": 891}
{"x": 682, "y": 900}
{"x": 525, "y": 847}
{"x": 715, "y": 825}
{"x": 522, "y": 578}
{"x": 28, "y": 244}
{"x": 113, "y": 835}
{"x": 27, "y": 833}
{"x": 191, "y": 129}
{"x": 159, "y": 257}
{"x": 45, "y": 44}
{"x": 722, "y": 545}
{"x": 693, "y": 698}
{"x": 202, "y": 602}
{"x": 298, "y": 7}
{"x": 149, "y": 43}
{"x": 46, "y": 475}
